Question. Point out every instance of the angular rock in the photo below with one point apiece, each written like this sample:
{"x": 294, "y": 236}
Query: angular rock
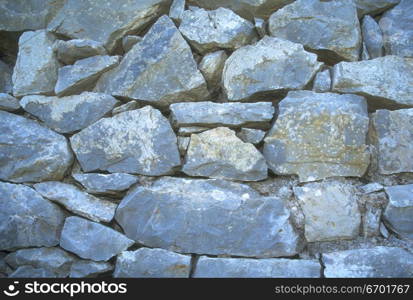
{"x": 31, "y": 272}
{"x": 329, "y": 28}
{"x": 71, "y": 113}
{"x": 226, "y": 219}
{"x": 211, "y": 67}
{"x": 82, "y": 76}
{"x": 187, "y": 131}
{"x": 8, "y": 102}
{"x": 210, "y": 114}
{"x": 183, "y": 143}
{"x": 128, "y": 41}
{"x": 152, "y": 263}
{"x": 68, "y": 52}
{"x": 212, "y": 30}
{"x": 260, "y": 27}
{"x": 318, "y": 136}
{"x": 131, "y": 105}
{"x": 89, "y": 268}
{"x": 77, "y": 201}
{"x": 392, "y": 135}
{"x": 219, "y": 153}
{"x": 249, "y": 135}
{"x": 36, "y": 67}
{"x": 177, "y": 9}
{"x": 374, "y": 7}
{"x": 106, "y": 183}
{"x": 249, "y": 71}
{"x": 145, "y": 71}
{"x": 256, "y": 268}
{"x": 397, "y": 27}
{"x": 52, "y": 259}
{"x": 364, "y": 53}
{"x": 91, "y": 240}
{"x": 385, "y": 81}
{"x": 372, "y": 37}
{"x": 322, "y": 82}
{"x": 105, "y": 22}
{"x": 371, "y": 188}
{"x": 371, "y": 220}
{"x": 27, "y": 219}
{"x": 378, "y": 262}
{"x": 30, "y": 152}
{"x": 399, "y": 211}
{"x": 330, "y": 209}
{"x": 6, "y": 85}
{"x": 139, "y": 141}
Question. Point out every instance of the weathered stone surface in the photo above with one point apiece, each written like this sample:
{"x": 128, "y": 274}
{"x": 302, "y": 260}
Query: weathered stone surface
{"x": 219, "y": 153}
{"x": 250, "y": 69}
{"x": 372, "y": 37}
{"x": 330, "y": 28}
{"x": 249, "y": 135}
{"x": 22, "y": 15}
{"x": 211, "y": 30}
{"x": 211, "y": 67}
{"x": 371, "y": 188}
{"x": 31, "y": 272}
{"x": 256, "y": 268}
{"x": 82, "y": 76}
{"x": 226, "y": 218}
{"x": 52, "y": 259}
{"x": 322, "y": 82}
{"x": 212, "y": 114}
{"x": 330, "y": 209}
{"x": 183, "y": 143}
{"x": 152, "y": 263}
{"x": 145, "y": 71}
{"x": 105, "y": 22}
{"x": 131, "y": 105}
{"x": 27, "y": 219}
{"x": 177, "y": 9}
{"x": 77, "y": 201}
{"x": 139, "y": 141}
{"x": 374, "y": 7}
{"x": 371, "y": 220}
{"x": 128, "y": 41}
{"x": 68, "y": 52}
{"x": 106, "y": 183}
{"x": 187, "y": 131}
{"x": 397, "y": 27}
{"x": 385, "y": 81}
{"x": 88, "y": 268}
{"x": 392, "y": 135}
{"x": 36, "y": 67}
{"x": 6, "y": 85}
{"x": 319, "y": 135}
{"x": 71, "y": 113}
{"x": 8, "y": 102}
{"x": 399, "y": 211}
{"x": 30, "y": 152}
{"x": 92, "y": 240}
{"x": 375, "y": 262}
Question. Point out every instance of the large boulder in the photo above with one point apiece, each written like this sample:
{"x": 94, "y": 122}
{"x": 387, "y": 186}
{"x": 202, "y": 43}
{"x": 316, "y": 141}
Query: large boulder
{"x": 27, "y": 220}
{"x": 329, "y": 28}
{"x": 138, "y": 141}
{"x": 160, "y": 69}
{"x": 319, "y": 135}
{"x": 249, "y": 71}
{"x": 30, "y": 152}
{"x": 215, "y": 217}
{"x": 106, "y": 22}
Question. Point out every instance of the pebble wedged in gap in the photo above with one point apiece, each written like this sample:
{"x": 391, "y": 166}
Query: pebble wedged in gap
{"x": 68, "y": 52}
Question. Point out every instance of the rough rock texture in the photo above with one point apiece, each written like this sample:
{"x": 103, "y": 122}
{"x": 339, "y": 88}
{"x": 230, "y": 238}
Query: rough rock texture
{"x": 139, "y": 141}
{"x": 68, "y": 52}
{"x": 376, "y": 262}
{"x": 106, "y": 183}
{"x": 8, "y": 102}
{"x": 330, "y": 28}
{"x": 131, "y": 105}
{"x": 177, "y": 9}
{"x": 71, "y": 113}
{"x": 249, "y": 70}
{"x": 128, "y": 41}
{"x": 385, "y": 81}
{"x": 88, "y": 268}
{"x": 105, "y": 22}
{"x": 183, "y": 143}
{"x": 84, "y": 238}
{"x": 322, "y": 82}
{"x": 399, "y": 211}
{"x": 397, "y": 27}
{"x": 374, "y": 7}
{"x": 372, "y": 37}
{"x": 30, "y": 152}
{"x": 82, "y": 76}
{"x": 236, "y": 220}
{"x": 211, "y": 67}
{"x": 77, "y": 201}
{"x": 36, "y": 67}
{"x": 256, "y": 268}
{"x": 152, "y": 263}
{"x": 27, "y": 219}
{"x": 249, "y": 135}
{"x": 144, "y": 73}
{"x": 319, "y": 135}
{"x": 330, "y": 210}
{"x": 187, "y": 131}
{"x": 211, "y": 30}
{"x": 210, "y": 114}
{"x": 6, "y": 85}
{"x": 31, "y": 272}
{"x": 219, "y": 153}
{"x": 260, "y": 27}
